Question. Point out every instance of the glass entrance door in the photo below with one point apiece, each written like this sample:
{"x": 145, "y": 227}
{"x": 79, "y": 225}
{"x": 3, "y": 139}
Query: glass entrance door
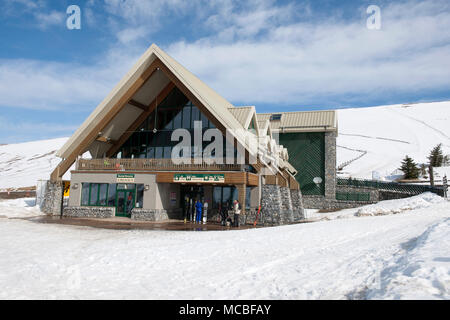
{"x": 126, "y": 201}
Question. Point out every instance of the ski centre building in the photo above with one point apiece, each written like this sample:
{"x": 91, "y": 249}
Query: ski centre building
{"x": 163, "y": 138}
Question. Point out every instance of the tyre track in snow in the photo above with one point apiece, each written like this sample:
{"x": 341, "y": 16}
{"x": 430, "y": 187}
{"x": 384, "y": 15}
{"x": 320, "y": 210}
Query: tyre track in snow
{"x": 439, "y": 132}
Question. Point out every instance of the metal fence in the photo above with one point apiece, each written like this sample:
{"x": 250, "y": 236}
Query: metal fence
{"x": 407, "y": 189}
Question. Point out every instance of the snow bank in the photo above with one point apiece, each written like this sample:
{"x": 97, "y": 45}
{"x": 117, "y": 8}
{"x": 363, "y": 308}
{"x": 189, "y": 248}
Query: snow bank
{"x": 423, "y": 200}
{"x": 19, "y": 208}
{"x": 422, "y": 269}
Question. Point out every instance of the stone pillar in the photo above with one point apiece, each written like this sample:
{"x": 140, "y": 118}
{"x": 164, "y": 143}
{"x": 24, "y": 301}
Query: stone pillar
{"x": 286, "y": 206}
{"x": 297, "y": 204}
{"x": 330, "y": 166}
{"x": 53, "y": 197}
{"x": 271, "y": 205}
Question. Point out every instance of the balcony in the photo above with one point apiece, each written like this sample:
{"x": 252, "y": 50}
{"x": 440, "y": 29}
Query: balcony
{"x": 151, "y": 165}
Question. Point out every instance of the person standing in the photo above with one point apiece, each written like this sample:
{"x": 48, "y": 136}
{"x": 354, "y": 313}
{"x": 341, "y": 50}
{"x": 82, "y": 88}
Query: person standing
{"x": 237, "y": 212}
{"x": 205, "y": 212}
{"x": 198, "y": 207}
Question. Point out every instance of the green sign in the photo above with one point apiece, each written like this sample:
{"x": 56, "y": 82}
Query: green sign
{"x": 125, "y": 177}
{"x": 198, "y": 177}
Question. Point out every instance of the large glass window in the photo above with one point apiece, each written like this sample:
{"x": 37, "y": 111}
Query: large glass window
{"x": 224, "y": 196}
{"x": 103, "y": 194}
{"x": 174, "y": 112}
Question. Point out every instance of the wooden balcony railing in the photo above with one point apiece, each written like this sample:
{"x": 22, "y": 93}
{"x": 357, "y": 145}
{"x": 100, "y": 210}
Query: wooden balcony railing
{"x": 151, "y": 165}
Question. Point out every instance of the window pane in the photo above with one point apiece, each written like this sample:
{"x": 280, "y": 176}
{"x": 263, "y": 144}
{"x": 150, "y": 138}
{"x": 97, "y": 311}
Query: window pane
{"x": 150, "y": 153}
{"x": 234, "y": 194}
{"x": 177, "y": 119}
{"x": 103, "y": 194}
{"x": 94, "y": 194}
{"x": 195, "y": 116}
{"x": 217, "y": 197}
{"x": 140, "y": 196}
{"x": 167, "y": 152}
{"x": 159, "y": 153}
{"x": 226, "y": 199}
{"x": 186, "y": 117}
{"x": 112, "y": 195}
{"x": 85, "y": 194}
{"x": 247, "y": 197}
{"x": 205, "y": 122}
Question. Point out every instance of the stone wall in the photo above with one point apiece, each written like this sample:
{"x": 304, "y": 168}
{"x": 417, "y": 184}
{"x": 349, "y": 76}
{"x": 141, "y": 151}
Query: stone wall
{"x": 149, "y": 214}
{"x": 297, "y": 205}
{"x": 279, "y": 205}
{"x": 52, "y": 203}
{"x": 89, "y": 212}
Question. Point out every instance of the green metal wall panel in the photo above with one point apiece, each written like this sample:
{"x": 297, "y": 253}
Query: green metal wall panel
{"x": 307, "y": 155}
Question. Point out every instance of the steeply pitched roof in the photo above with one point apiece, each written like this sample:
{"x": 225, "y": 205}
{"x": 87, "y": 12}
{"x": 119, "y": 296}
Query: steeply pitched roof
{"x": 216, "y": 104}
{"x": 302, "y": 121}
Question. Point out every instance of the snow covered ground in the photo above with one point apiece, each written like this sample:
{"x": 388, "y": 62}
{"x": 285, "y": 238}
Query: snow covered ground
{"x": 388, "y": 133}
{"x": 23, "y": 164}
{"x": 394, "y": 256}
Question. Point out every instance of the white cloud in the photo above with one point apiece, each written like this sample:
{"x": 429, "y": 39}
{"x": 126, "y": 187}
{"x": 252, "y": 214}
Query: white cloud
{"x": 45, "y": 20}
{"x": 261, "y": 55}
{"x": 334, "y": 60}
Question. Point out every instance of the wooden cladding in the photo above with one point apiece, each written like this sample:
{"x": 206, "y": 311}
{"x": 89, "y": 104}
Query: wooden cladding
{"x": 283, "y": 180}
{"x": 139, "y": 164}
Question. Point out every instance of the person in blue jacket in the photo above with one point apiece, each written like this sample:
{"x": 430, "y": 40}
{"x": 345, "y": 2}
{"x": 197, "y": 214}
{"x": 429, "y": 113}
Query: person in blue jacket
{"x": 198, "y": 209}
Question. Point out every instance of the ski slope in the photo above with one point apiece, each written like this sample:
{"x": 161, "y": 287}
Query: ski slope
{"x": 371, "y": 139}
{"x": 388, "y": 133}
{"x": 23, "y": 164}
{"x": 392, "y": 256}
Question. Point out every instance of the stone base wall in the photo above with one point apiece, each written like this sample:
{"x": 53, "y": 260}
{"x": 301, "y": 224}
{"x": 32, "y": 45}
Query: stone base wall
{"x": 278, "y": 207}
{"x": 52, "y": 203}
{"x": 149, "y": 214}
{"x": 297, "y": 205}
{"x": 89, "y": 212}
{"x": 318, "y": 202}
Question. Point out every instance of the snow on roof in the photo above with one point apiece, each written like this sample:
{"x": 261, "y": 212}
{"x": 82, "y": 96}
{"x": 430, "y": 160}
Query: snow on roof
{"x": 301, "y": 121}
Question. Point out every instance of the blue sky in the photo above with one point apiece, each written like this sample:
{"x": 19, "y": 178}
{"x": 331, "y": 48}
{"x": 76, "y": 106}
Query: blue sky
{"x": 276, "y": 55}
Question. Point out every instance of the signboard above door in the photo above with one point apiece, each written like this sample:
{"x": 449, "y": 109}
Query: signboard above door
{"x": 125, "y": 178}
{"x": 199, "y": 178}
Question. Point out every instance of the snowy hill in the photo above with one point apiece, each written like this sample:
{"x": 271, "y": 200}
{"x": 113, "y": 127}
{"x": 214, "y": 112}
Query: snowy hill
{"x": 23, "y": 164}
{"x": 377, "y": 137}
{"x": 382, "y": 136}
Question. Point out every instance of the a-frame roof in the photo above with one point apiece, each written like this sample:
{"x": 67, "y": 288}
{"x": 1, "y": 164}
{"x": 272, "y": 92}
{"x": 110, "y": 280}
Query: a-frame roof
{"x": 215, "y": 104}
{"x": 244, "y": 115}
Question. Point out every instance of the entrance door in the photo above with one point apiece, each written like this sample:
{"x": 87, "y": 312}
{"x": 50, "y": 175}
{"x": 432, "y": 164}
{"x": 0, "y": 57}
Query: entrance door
{"x": 125, "y": 203}
{"x": 189, "y": 194}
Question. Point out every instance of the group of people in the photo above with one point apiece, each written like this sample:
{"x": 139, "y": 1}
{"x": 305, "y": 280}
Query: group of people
{"x": 197, "y": 212}
{"x": 225, "y": 218}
